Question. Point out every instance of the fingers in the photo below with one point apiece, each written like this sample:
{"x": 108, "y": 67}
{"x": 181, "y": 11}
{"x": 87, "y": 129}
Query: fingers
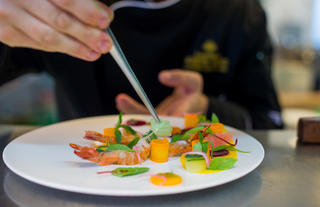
{"x": 60, "y": 20}
{"x": 89, "y": 11}
{"x": 188, "y": 80}
{"x": 128, "y": 105}
{"x": 47, "y": 38}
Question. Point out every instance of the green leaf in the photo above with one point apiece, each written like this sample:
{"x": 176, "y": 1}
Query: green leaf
{"x": 118, "y": 135}
{"x": 228, "y": 147}
{"x": 161, "y": 128}
{"x": 147, "y": 134}
{"x": 205, "y": 147}
{"x": 119, "y": 147}
{"x": 119, "y": 120}
{"x": 197, "y": 147}
{"x": 178, "y": 137}
{"x": 220, "y": 163}
{"x": 128, "y": 129}
{"x": 153, "y": 136}
{"x": 214, "y": 118}
{"x": 202, "y": 118}
{"x": 209, "y": 131}
{"x": 194, "y": 130}
{"x": 102, "y": 149}
{"x": 134, "y": 142}
{"x": 128, "y": 171}
{"x": 200, "y": 137}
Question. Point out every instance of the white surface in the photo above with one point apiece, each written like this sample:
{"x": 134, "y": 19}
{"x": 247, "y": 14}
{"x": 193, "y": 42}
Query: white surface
{"x": 43, "y": 156}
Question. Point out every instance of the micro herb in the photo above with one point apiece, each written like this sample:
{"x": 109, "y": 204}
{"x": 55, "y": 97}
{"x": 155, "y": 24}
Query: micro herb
{"x": 214, "y": 118}
{"x": 228, "y": 147}
{"x": 134, "y": 142}
{"x": 114, "y": 147}
{"x": 200, "y": 137}
{"x": 126, "y": 171}
{"x": 202, "y": 118}
{"x": 219, "y": 163}
{"x": 118, "y": 135}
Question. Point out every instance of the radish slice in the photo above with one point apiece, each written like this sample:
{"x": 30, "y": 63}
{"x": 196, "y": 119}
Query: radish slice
{"x": 199, "y": 153}
{"x": 138, "y": 154}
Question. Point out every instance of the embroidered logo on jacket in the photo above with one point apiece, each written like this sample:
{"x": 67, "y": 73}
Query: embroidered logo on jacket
{"x": 208, "y": 60}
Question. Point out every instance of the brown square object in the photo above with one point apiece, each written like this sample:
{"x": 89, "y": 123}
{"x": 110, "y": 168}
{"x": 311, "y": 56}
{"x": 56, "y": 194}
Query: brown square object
{"x": 309, "y": 130}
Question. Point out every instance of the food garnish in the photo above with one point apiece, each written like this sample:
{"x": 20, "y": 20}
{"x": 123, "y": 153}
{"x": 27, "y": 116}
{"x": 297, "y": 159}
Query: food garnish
{"x": 126, "y": 171}
{"x": 159, "y": 150}
{"x": 165, "y": 179}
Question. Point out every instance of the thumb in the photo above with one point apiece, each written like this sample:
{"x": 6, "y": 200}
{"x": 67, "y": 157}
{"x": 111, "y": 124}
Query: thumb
{"x": 190, "y": 81}
{"x": 128, "y": 105}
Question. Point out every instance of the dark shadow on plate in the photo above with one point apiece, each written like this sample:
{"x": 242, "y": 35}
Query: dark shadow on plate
{"x": 238, "y": 193}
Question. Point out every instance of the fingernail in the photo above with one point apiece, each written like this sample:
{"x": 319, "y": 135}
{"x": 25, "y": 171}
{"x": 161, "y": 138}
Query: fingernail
{"x": 93, "y": 55}
{"x": 103, "y": 46}
{"x": 103, "y": 23}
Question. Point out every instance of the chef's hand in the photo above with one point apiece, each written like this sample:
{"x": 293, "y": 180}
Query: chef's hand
{"x": 73, "y": 27}
{"x": 187, "y": 96}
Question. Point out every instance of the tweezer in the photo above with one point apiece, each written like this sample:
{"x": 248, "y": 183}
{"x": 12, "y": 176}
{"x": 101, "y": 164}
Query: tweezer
{"x": 124, "y": 65}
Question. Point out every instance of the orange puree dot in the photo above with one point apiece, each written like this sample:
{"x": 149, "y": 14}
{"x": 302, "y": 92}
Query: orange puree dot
{"x": 170, "y": 179}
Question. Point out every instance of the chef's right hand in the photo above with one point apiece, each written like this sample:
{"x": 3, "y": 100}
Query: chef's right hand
{"x": 73, "y": 27}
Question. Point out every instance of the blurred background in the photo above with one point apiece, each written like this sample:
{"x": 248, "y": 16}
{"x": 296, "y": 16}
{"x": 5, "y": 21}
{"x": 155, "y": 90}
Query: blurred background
{"x": 294, "y": 26}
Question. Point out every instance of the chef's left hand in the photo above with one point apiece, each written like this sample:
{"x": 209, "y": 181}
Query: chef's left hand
{"x": 187, "y": 96}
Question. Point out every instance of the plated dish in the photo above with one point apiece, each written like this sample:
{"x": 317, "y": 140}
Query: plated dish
{"x": 44, "y": 157}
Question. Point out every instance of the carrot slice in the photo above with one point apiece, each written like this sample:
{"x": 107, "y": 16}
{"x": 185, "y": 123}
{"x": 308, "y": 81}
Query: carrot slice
{"x": 159, "y": 150}
{"x": 217, "y": 127}
{"x": 109, "y": 132}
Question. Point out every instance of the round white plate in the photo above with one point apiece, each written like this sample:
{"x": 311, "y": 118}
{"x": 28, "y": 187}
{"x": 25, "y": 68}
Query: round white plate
{"x": 43, "y": 156}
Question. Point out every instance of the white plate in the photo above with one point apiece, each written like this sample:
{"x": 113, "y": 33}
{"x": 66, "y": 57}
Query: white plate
{"x": 43, "y": 156}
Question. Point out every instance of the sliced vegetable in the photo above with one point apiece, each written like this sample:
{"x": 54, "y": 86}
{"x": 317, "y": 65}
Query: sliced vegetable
{"x": 159, "y": 150}
{"x": 191, "y": 120}
{"x": 109, "y": 132}
{"x": 220, "y": 163}
{"x": 126, "y": 171}
{"x": 199, "y": 153}
{"x": 161, "y": 128}
{"x": 166, "y": 179}
{"x": 195, "y": 163}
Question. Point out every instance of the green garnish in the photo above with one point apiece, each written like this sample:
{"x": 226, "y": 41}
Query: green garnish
{"x": 214, "y": 118}
{"x": 186, "y": 135}
{"x": 133, "y": 142}
{"x": 228, "y": 147}
{"x": 161, "y": 128}
{"x": 220, "y": 163}
{"x": 126, "y": 171}
{"x": 114, "y": 147}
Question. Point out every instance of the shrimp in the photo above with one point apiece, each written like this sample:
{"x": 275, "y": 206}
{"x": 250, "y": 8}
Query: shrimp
{"x": 96, "y": 136}
{"x": 179, "y": 147}
{"x": 118, "y": 157}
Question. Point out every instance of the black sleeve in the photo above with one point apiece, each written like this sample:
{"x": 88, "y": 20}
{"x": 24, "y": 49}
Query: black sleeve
{"x": 253, "y": 101}
{"x": 18, "y": 61}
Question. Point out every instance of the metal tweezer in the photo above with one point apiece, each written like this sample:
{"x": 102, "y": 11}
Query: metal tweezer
{"x": 121, "y": 60}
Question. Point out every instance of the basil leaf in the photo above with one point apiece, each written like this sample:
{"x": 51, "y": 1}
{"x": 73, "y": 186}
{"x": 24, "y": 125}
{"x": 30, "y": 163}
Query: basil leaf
{"x": 194, "y": 130}
{"x": 202, "y": 118}
{"x": 214, "y": 118}
{"x": 228, "y": 147}
{"x": 134, "y": 142}
{"x": 128, "y": 129}
{"x": 118, "y": 135}
{"x": 200, "y": 137}
{"x": 119, "y": 120}
{"x": 205, "y": 147}
{"x": 178, "y": 137}
{"x": 119, "y": 147}
{"x": 128, "y": 171}
{"x": 197, "y": 147}
{"x": 220, "y": 163}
